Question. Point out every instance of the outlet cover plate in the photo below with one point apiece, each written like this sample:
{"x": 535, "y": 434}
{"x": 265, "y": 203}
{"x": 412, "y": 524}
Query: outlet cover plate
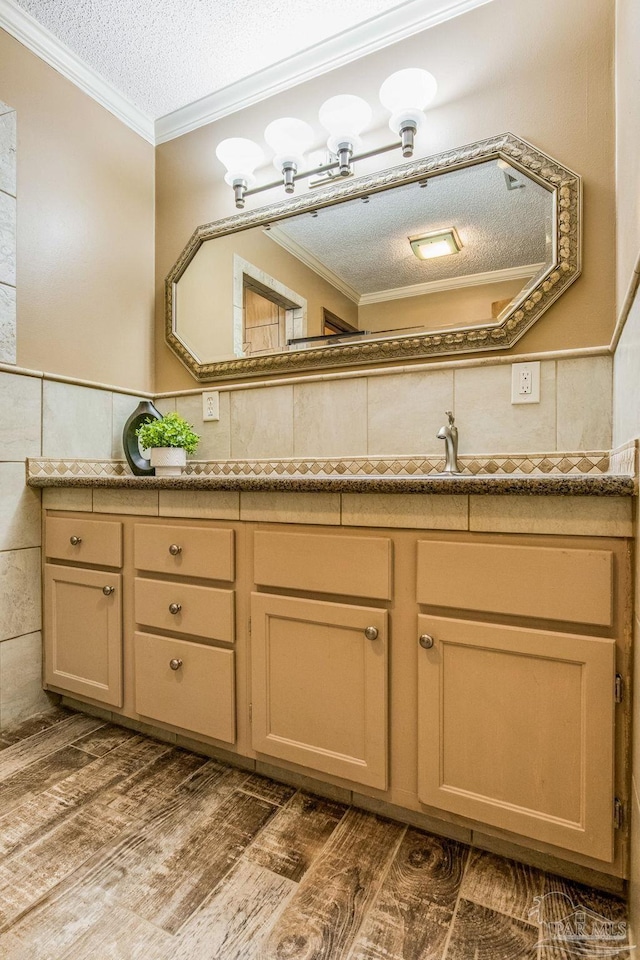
{"x": 210, "y": 405}
{"x": 525, "y": 382}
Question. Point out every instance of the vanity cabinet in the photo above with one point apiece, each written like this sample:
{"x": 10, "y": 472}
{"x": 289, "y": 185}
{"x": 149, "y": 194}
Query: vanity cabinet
{"x": 182, "y": 675}
{"x": 467, "y": 678}
{"x": 83, "y": 608}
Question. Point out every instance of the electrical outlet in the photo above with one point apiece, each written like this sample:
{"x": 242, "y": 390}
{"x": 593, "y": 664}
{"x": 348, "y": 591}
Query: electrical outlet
{"x": 525, "y": 382}
{"x": 210, "y": 405}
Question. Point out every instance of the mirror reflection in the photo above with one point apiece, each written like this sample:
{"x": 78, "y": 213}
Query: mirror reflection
{"x": 456, "y": 250}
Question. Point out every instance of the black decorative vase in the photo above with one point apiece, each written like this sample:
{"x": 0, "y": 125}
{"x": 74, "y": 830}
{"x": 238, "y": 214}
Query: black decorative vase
{"x": 139, "y": 465}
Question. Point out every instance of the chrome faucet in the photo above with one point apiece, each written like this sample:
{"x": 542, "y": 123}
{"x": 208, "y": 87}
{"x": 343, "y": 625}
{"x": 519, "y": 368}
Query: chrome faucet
{"x": 449, "y": 433}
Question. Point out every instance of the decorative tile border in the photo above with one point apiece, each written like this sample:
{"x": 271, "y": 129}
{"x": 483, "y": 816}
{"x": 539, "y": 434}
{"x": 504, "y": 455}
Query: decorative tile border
{"x": 541, "y": 464}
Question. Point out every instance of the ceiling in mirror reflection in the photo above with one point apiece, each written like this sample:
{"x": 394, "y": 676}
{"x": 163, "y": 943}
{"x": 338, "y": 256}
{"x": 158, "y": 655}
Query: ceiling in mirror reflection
{"x": 503, "y": 218}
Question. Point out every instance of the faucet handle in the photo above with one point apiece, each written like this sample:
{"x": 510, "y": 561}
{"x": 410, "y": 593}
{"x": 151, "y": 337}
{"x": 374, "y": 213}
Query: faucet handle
{"x": 450, "y": 417}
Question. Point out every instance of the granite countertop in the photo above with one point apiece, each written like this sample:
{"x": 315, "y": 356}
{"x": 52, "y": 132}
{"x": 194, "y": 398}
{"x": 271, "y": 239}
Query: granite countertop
{"x": 594, "y": 485}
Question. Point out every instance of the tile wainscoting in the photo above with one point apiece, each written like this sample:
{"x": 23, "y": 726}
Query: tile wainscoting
{"x": 38, "y": 415}
{"x": 399, "y": 414}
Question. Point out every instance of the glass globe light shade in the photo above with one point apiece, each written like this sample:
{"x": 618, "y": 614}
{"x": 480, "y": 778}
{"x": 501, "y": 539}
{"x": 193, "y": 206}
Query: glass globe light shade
{"x": 240, "y": 157}
{"x": 405, "y": 94}
{"x": 344, "y": 117}
{"x": 289, "y": 139}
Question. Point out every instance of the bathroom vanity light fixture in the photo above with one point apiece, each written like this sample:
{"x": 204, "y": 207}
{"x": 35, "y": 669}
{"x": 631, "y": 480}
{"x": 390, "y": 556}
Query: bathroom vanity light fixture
{"x": 405, "y": 94}
{"x": 439, "y": 243}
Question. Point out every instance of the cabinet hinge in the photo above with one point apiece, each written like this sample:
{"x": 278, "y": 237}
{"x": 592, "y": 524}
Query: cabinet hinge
{"x": 250, "y": 713}
{"x": 249, "y": 626}
{"x": 618, "y": 813}
{"x": 619, "y": 688}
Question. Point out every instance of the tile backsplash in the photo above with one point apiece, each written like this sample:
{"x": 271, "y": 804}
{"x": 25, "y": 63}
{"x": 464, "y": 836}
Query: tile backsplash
{"x": 400, "y": 414}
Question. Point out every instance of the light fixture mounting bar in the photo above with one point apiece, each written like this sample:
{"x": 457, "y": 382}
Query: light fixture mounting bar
{"x": 324, "y": 168}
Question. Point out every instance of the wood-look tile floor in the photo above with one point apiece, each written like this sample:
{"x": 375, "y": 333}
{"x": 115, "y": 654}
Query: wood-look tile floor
{"x": 117, "y": 847}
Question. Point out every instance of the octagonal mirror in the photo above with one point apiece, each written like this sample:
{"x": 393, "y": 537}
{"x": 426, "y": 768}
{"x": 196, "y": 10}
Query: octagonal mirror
{"x": 455, "y": 253}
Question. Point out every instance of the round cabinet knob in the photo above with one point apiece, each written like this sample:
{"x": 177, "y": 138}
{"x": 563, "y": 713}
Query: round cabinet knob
{"x": 175, "y": 549}
{"x": 371, "y": 633}
{"x": 108, "y": 591}
{"x": 175, "y": 664}
{"x": 175, "y": 608}
{"x": 425, "y": 641}
{"x": 74, "y": 541}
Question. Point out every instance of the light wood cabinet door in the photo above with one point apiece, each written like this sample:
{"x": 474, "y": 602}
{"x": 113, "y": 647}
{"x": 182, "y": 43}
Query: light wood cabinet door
{"x": 83, "y": 632}
{"x": 319, "y": 686}
{"x": 516, "y": 730}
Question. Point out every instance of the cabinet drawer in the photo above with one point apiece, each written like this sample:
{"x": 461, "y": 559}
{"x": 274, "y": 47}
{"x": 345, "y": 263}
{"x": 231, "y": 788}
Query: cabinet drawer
{"x": 95, "y": 541}
{"x": 552, "y": 583}
{"x": 352, "y": 566}
{"x": 199, "y": 695}
{"x": 204, "y": 552}
{"x": 203, "y": 611}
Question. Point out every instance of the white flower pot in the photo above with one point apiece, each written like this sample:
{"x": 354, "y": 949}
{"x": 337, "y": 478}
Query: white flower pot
{"x": 168, "y": 461}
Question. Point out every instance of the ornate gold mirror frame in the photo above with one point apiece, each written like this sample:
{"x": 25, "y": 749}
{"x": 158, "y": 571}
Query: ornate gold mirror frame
{"x": 565, "y": 188}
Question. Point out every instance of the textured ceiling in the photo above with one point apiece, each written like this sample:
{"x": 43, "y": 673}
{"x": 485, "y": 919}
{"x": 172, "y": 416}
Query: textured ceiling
{"x": 165, "y": 54}
{"x": 366, "y": 244}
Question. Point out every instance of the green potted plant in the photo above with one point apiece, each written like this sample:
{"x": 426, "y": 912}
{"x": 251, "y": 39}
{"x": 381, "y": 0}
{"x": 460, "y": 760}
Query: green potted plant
{"x": 169, "y": 440}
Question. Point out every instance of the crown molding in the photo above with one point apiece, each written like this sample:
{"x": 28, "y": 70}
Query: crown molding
{"x": 452, "y": 283}
{"x": 306, "y": 257}
{"x": 24, "y": 28}
{"x": 366, "y": 38}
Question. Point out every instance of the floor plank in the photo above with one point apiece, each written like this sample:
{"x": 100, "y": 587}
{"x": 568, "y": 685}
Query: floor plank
{"x": 42, "y": 866}
{"x": 126, "y": 937}
{"x": 24, "y": 752}
{"x": 482, "y": 934}
{"x": 154, "y": 785}
{"x": 233, "y": 923}
{"x": 31, "y": 821}
{"x": 28, "y": 728}
{"x": 103, "y": 740}
{"x": 196, "y": 853}
{"x": 410, "y": 918}
{"x": 75, "y": 929}
{"x": 269, "y": 790}
{"x": 502, "y": 885}
{"x": 602, "y": 918}
{"x": 294, "y": 838}
{"x": 38, "y": 777}
{"x": 322, "y": 919}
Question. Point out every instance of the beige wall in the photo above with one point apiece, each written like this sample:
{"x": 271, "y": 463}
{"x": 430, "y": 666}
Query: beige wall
{"x": 627, "y": 142}
{"x": 543, "y": 70}
{"x": 447, "y": 308}
{"x": 85, "y": 229}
